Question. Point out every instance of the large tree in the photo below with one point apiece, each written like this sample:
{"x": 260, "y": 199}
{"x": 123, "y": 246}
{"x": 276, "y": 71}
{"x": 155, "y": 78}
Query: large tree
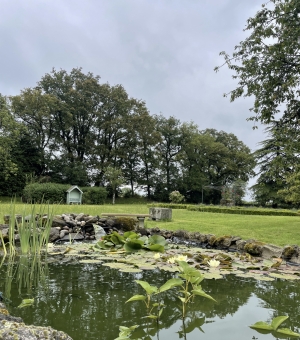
{"x": 266, "y": 64}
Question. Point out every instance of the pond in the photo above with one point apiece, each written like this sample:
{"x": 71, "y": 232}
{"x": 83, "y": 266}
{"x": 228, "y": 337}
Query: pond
{"x": 87, "y": 301}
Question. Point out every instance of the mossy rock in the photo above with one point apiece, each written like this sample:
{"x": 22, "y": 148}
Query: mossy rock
{"x": 254, "y": 248}
{"x": 288, "y": 252}
{"x": 126, "y": 223}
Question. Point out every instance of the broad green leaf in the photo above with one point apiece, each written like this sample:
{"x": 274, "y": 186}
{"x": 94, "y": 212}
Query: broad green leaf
{"x": 157, "y": 239}
{"x": 26, "y": 303}
{"x": 151, "y": 316}
{"x": 200, "y": 292}
{"x": 155, "y": 247}
{"x": 288, "y": 332}
{"x": 134, "y": 245}
{"x": 130, "y": 234}
{"x": 170, "y": 284}
{"x": 136, "y": 298}
{"x": 260, "y": 325}
{"x": 149, "y": 289}
{"x": 276, "y": 322}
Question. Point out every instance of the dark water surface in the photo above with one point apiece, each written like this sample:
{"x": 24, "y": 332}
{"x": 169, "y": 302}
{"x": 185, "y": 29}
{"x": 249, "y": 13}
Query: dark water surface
{"x": 87, "y": 301}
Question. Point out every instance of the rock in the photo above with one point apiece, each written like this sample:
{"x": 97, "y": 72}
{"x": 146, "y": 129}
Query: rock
{"x": 92, "y": 220}
{"x": 10, "y": 330}
{"x": 73, "y": 236}
{"x": 5, "y": 233}
{"x": 53, "y": 235}
{"x": 240, "y": 244}
{"x": 62, "y": 233}
{"x": 58, "y": 222}
{"x": 13, "y": 328}
{"x": 270, "y": 250}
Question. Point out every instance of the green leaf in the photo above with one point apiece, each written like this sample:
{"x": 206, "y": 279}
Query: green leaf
{"x": 133, "y": 245}
{"x": 130, "y": 234}
{"x": 170, "y": 284}
{"x": 260, "y": 325}
{"x": 26, "y": 303}
{"x": 151, "y": 316}
{"x": 286, "y": 331}
{"x": 136, "y": 298}
{"x": 276, "y": 322}
{"x": 200, "y": 292}
{"x": 155, "y": 247}
{"x": 157, "y": 239}
{"x": 149, "y": 289}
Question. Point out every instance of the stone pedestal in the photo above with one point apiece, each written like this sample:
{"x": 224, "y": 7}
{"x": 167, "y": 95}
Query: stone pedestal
{"x": 158, "y": 214}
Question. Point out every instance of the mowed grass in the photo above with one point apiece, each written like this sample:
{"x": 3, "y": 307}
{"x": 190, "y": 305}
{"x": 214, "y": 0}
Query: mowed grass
{"x": 279, "y": 230}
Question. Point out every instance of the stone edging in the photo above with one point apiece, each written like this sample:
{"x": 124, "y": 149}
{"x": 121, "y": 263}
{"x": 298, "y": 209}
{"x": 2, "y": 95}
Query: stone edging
{"x": 289, "y": 253}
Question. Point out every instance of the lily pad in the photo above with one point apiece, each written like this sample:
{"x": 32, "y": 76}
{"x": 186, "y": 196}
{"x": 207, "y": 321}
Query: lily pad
{"x": 130, "y": 270}
{"x": 210, "y": 276}
{"x": 285, "y": 276}
{"x": 90, "y": 261}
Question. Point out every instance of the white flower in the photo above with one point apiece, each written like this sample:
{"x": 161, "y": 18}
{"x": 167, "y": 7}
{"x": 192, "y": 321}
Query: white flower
{"x": 171, "y": 260}
{"x": 156, "y": 255}
{"x": 213, "y": 263}
{"x": 182, "y": 258}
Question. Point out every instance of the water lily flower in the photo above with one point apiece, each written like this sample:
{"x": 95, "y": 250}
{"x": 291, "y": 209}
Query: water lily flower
{"x": 182, "y": 258}
{"x": 171, "y": 260}
{"x": 213, "y": 263}
{"x": 156, "y": 255}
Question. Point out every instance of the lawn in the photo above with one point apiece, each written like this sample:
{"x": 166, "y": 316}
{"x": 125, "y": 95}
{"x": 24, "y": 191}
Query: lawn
{"x": 279, "y": 230}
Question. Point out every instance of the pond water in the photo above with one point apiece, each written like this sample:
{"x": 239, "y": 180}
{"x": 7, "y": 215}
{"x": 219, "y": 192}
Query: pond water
{"x": 87, "y": 301}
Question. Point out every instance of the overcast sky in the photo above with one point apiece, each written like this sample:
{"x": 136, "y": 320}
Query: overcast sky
{"x": 161, "y": 51}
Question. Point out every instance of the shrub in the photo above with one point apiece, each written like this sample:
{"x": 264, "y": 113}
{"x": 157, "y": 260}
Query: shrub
{"x": 94, "y": 195}
{"x": 176, "y": 197}
{"x": 47, "y": 192}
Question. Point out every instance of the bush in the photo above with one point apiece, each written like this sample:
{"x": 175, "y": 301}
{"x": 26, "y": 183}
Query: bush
{"x": 176, "y": 197}
{"x": 45, "y": 192}
{"x": 94, "y": 195}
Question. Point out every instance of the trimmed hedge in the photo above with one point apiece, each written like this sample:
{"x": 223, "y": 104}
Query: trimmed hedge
{"x": 94, "y": 195}
{"x": 227, "y": 210}
{"x": 241, "y": 211}
{"x": 169, "y": 205}
{"x": 45, "y": 192}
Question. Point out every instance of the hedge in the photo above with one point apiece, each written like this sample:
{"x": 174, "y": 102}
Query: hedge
{"x": 94, "y": 195}
{"x": 45, "y": 192}
{"x": 227, "y": 210}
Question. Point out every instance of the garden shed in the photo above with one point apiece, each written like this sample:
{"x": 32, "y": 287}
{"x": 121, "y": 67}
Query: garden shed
{"x": 74, "y": 195}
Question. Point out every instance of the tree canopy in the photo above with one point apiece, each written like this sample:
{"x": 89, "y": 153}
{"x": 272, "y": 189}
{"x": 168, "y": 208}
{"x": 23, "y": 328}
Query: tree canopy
{"x": 77, "y": 130}
{"x": 266, "y": 64}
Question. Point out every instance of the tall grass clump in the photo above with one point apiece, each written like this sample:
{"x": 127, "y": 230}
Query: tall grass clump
{"x": 33, "y": 229}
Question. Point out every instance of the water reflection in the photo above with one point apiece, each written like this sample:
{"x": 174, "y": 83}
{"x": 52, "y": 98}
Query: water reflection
{"x": 88, "y": 302}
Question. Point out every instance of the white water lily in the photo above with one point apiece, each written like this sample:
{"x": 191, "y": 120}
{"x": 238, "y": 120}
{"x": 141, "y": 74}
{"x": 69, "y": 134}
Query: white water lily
{"x": 213, "y": 263}
{"x": 157, "y": 256}
{"x": 171, "y": 260}
{"x": 182, "y": 258}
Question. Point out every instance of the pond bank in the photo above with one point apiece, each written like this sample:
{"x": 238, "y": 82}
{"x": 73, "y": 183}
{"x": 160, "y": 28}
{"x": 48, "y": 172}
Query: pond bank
{"x": 13, "y": 328}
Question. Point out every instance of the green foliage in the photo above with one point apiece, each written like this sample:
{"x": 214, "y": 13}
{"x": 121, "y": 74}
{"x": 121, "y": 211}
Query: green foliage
{"x": 176, "y": 197}
{"x": 93, "y": 195}
{"x": 47, "y": 192}
{"x": 266, "y": 63}
{"x": 132, "y": 242}
{"x": 265, "y": 328}
{"x": 245, "y": 211}
{"x": 188, "y": 285}
{"x": 291, "y": 193}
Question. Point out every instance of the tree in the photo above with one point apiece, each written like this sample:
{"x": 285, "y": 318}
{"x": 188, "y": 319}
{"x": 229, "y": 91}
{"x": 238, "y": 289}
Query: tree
{"x": 10, "y": 131}
{"x": 114, "y": 178}
{"x": 291, "y": 192}
{"x": 277, "y": 159}
{"x": 266, "y": 64}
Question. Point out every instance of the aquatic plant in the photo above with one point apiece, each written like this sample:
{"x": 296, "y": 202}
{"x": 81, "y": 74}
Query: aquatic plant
{"x": 273, "y": 327}
{"x": 189, "y": 284}
{"x": 131, "y": 242}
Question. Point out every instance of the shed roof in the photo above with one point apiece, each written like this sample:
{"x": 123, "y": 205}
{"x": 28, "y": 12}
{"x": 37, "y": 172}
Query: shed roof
{"x": 74, "y": 187}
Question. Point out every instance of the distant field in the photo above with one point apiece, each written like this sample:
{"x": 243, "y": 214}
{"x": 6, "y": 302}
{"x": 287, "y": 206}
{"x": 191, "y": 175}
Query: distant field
{"x": 279, "y": 230}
